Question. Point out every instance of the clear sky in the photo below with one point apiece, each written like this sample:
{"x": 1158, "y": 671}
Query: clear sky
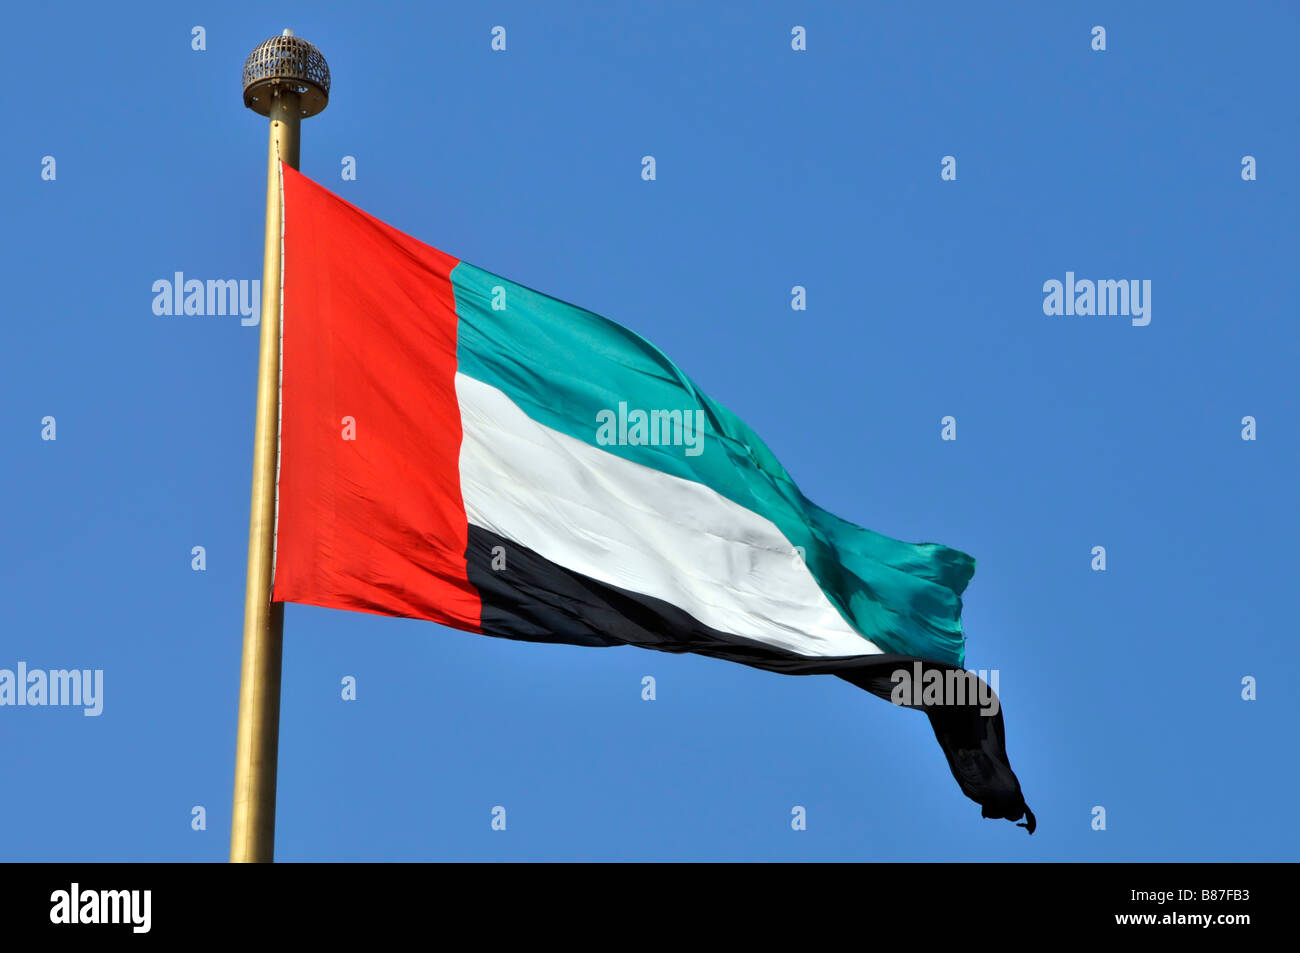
{"x": 775, "y": 168}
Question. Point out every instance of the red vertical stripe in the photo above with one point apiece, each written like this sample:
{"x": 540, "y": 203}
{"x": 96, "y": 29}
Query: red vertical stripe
{"x": 377, "y": 523}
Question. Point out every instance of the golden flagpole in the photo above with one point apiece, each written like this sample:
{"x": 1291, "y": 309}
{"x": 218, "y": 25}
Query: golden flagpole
{"x": 285, "y": 79}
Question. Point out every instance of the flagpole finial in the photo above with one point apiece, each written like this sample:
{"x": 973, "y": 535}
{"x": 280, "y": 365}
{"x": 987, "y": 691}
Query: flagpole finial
{"x": 286, "y": 64}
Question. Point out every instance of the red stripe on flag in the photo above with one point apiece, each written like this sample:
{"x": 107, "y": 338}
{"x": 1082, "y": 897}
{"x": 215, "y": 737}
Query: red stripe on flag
{"x": 375, "y": 523}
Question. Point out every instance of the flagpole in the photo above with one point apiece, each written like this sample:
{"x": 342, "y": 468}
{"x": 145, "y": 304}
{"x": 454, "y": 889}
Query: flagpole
{"x": 285, "y": 79}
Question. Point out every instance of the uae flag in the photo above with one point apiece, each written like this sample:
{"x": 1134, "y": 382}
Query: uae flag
{"x": 459, "y": 448}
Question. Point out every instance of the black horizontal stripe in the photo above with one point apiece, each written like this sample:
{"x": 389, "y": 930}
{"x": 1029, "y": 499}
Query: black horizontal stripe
{"x": 530, "y": 598}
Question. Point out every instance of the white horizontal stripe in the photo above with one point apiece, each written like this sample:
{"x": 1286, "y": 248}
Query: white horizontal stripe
{"x": 637, "y": 528}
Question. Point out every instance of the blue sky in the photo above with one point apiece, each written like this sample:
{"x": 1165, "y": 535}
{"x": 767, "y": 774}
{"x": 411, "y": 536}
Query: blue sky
{"x": 775, "y": 168}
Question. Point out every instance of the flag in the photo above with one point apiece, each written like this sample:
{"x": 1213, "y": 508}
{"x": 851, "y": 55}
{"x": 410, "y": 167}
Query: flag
{"x": 459, "y": 448}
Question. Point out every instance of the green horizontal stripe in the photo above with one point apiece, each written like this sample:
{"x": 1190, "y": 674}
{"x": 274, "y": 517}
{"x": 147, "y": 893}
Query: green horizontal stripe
{"x": 563, "y": 366}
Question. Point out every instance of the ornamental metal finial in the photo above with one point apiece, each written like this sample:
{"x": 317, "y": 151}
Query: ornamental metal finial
{"x": 286, "y": 62}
